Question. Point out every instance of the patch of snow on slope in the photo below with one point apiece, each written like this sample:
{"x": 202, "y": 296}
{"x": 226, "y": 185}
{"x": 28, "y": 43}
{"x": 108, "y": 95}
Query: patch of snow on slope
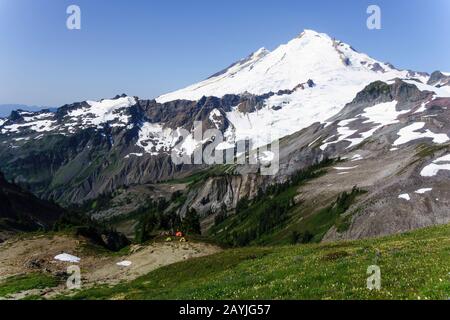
{"x": 34, "y": 117}
{"x": 37, "y": 126}
{"x": 383, "y": 114}
{"x": 441, "y": 92}
{"x": 314, "y": 141}
{"x": 379, "y": 115}
{"x": 423, "y": 190}
{"x": 133, "y": 154}
{"x": 266, "y": 157}
{"x": 103, "y": 111}
{"x": 154, "y": 138}
{"x": 410, "y": 133}
{"x": 125, "y": 263}
{"x": 345, "y": 168}
{"x": 65, "y": 257}
{"x": 422, "y": 108}
{"x": 443, "y": 159}
{"x": 22, "y": 139}
{"x": 404, "y": 196}
{"x": 214, "y": 117}
{"x": 299, "y": 111}
{"x": 442, "y": 163}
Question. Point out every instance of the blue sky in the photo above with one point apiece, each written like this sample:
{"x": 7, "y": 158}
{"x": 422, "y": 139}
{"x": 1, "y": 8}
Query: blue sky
{"x": 149, "y": 47}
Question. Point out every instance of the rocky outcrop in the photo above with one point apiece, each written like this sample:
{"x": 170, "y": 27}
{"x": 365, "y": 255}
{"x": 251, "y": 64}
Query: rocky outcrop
{"x": 439, "y": 79}
{"x": 223, "y": 192}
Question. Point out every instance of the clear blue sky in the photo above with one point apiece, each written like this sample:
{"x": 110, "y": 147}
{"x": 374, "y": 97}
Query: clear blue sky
{"x": 149, "y": 47}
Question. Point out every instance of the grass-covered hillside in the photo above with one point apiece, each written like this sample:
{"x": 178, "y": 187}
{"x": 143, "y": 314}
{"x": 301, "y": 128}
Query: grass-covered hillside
{"x": 414, "y": 265}
{"x": 279, "y": 215}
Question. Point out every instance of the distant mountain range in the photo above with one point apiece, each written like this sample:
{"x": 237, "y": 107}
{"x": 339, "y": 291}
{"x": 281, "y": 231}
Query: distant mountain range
{"x": 6, "y": 109}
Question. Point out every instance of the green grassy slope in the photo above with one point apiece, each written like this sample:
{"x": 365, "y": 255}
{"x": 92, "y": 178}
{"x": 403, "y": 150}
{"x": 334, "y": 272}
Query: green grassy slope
{"x": 275, "y": 218}
{"x": 30, "y": 281}
{"x": 414, "y": 265}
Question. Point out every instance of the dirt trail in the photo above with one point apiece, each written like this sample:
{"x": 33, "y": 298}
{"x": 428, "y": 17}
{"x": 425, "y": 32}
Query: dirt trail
{"x": 37, "y": 255}
{"x": 148, "y": 258}
{"x": 18, "y": 256}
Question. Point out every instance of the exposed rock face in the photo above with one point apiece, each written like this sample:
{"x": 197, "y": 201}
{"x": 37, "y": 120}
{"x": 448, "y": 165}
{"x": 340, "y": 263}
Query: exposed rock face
{"x": 439, "y": 79}
{"x": 399, "y": 198}
{"x": 406, "y": 94}
{"x": 390, "y": 161}
{"x": 219, "y": 192}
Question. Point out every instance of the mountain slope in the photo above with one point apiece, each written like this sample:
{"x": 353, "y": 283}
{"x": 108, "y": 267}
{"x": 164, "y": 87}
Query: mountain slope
{"x": 318, "y": 96}
{"x": 334, "y": 70}
{"x": 413, "y": 266}
{"x": 393, "y": 141}
{"x": 22, "y": 211}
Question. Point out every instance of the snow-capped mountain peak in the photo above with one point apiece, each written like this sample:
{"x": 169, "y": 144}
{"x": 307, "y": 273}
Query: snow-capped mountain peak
{"x": 333, "y": 71}
{"x": 311, "y": 55}
{"x": 261, "y": 52}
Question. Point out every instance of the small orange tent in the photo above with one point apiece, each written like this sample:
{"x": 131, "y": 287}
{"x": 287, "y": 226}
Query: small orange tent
{"x": 179, "y": 234}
